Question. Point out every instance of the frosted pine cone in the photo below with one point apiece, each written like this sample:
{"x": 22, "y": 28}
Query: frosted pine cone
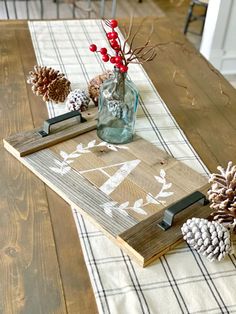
{"x": 77, "y": 100}
{"x": 209, "y": 238}
{"x": 95, "y": 83}
{"x": 222, "y": 194}
{"x": 45, "y": 82}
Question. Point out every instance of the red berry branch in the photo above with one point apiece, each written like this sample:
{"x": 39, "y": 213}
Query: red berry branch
{"x": 124, "y": 55}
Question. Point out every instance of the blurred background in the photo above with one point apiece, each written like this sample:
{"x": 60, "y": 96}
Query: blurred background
{"x": 210, "y": 25}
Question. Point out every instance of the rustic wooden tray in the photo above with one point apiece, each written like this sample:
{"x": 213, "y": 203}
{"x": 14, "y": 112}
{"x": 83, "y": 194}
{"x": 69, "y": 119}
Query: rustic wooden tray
{"x": 123, "y": 189}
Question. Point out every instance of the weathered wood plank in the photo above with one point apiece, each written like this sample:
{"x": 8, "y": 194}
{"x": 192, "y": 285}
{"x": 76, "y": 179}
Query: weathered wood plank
{"x": 29, "y": 272}
{"x": 78, "y": 292}
{"x": 146, "y": 241}
{"x": 79, "y": 296}
{"x": 37, "y": 105}
{"x": 28, "y": 142}
{"x": 64, "y": 166}
{"x": 106, "y": 175}
{"x": 100, "y": 162}
{"x": 78, "y": 192}
{"x": 153, "y": 160}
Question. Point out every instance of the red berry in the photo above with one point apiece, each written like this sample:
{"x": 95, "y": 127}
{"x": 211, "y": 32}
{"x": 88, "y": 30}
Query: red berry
{"x": 105, "y": 58}
{"x": 123, "y": 68}
{"x": 113, "y": 60}
{"x": 113, "y": 23}
{"x": 117, "y": 47}
{"x": 118, "y": 65}
{"x": 113, "y": 42}
{"x": 93, "y": 48}
{"x": 109, "y": 35}
{"x": 103, "y": 51}
{"x": 114, "y": 35}
{"x": 118, "y": 59}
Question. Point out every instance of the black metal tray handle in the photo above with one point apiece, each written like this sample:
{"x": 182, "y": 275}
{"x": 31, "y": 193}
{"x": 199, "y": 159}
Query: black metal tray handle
{"x": 170, "y": 212}
{"x": 48, "y": 123}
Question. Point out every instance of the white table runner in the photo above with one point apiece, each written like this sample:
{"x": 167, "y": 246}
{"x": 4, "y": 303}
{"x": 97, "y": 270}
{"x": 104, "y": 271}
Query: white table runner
{"x": 179, "y": 282}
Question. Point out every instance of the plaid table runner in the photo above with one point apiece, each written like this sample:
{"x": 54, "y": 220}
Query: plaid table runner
{"x": 179, "y": 282}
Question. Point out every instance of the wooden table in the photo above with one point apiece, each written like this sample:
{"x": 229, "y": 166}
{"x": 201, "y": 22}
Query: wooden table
{"x": 41, "y": 263}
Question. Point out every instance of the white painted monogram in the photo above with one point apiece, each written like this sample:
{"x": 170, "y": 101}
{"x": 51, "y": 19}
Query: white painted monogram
{"x": 125, "y": 168}
{"x": 114, "y": 181}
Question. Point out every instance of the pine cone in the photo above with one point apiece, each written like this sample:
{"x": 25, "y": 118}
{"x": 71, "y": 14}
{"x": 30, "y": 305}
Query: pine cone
{"x": 77, "y": 100}
{"x": 95, "y": 83}
{"x": 58, "y": 90}
{"x": 222, "y": 194}
{"x": 41, "y": 79}
{"x": 209, "y": 238}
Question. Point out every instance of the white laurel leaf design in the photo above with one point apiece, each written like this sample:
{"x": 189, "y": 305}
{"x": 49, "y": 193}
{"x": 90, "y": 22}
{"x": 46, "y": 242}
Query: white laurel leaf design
{"x": 151, "y": 199}
{"x": 139, "y": 210}
{"x": 84, "y": 151}
{"x": 112, "y": 147}
{"x": 108, "y": 211}
{"x": 63, "y": 154}
{"x": 123, "y": 206}
{"x": 108, "y": 207}
{"x": 80, "y": 149}
{"x": 122, "y": 147}
{"x": 109, "y": 204}
{"x": 138, "y": 203}
{"x": 65, "y": 170}
{"x": 167, "y": 186}
{"x": 159, "y": 179}
{"x": 58, "y": 162}
{"x": 102, "y": 144}
{"x": 162, "y": 173}
{"x": 165, "y": 194}
{"x": 70, "y": 161}
{"x": 91, "y": 144}
{"x": 74, "y": 155}
{"x": 123, "y": 212}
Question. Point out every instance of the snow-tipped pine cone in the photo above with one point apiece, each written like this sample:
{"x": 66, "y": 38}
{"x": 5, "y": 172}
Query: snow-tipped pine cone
{"x": 77, "y": 100}
{"x": 49, "y": 83}
{"x": 209, "y": 238}
{"x": 95, "y": 83}
{"x": 222, "y": 194}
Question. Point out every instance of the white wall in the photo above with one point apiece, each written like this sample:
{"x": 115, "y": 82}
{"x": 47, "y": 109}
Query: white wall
{"x": 219, "y": 36}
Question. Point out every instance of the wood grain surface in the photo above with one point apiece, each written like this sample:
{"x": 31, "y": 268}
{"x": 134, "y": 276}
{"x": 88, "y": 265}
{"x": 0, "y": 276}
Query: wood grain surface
{"x": 28, "y": 142}
{"x": 146, "y": 241}
{"x": 141, "y": 186}
{"x": 30, "y": 276}
{"x": 141, "y": 181}
{"x": 202, "y": 102}
{"x": 42, "y": 269}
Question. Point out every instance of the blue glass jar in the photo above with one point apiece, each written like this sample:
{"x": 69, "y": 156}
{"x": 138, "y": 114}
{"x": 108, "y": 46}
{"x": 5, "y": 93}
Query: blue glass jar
{"x": 117, "y": 106}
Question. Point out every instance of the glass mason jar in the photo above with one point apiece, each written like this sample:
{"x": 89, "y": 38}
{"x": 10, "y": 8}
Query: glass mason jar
{"x": 117, "y": 106}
